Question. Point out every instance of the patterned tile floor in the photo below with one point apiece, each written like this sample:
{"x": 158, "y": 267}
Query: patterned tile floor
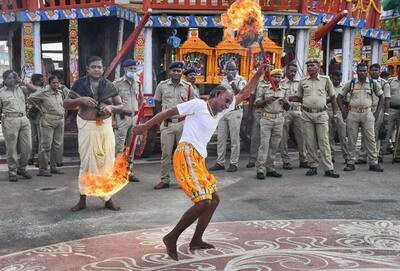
{"x": 243, "y": 245}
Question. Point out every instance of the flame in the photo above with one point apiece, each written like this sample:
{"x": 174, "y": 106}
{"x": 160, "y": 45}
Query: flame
{"x": 109, "y": 182}
{"x": 245, "y": 17}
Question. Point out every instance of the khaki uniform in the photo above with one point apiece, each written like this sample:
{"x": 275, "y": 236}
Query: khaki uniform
{"x": 378, "y": 121}
{"x": 196, "y": 91}
{"x": 292, "y": 120}
{"x": 35, "y": 130}
{"x": 229, "y": 125}
{"x": 394, "y": 115}
{"x": 60, "y": 155}
{"x": 360, "y": 115}
{"x": 130, "y": 94}
{"x": 51, "y": 124}
{"x": 255, "y": 132}
{"x": 171, "y": 95}
{"x": 271, "y": 127}
{"x": 338, "y": 125}
{"x": 16, "y": 128}
{"x": 315, "y": 119}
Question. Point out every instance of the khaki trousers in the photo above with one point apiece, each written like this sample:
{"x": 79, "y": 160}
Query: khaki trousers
{"x": 35, "y": 130}
{"x": 255, "y": 136}
{"x": 17, "y": 132}
{"x": 271, "y": 133}
{"x": 394, "y": 117}
{"x": 316, "y": 132}
{"x": 293, "y": 120}
{"x": 123, "y": 133}
{"x": 229, "y": 125}
{"x": 338, "y": 125}
{"x": 51, "y": 141}
{"x": 170, "y": 135}
{"x": 378, "y": 123}
{"x": 366, "y": 122}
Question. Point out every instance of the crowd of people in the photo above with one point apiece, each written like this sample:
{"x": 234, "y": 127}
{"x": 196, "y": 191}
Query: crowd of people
{"x": 315, "y": 109}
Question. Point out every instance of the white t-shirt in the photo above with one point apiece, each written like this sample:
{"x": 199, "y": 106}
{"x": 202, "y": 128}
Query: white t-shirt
{"x": 199, "y": 125}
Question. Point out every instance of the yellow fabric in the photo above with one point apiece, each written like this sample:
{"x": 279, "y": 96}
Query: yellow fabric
{"x": 192, "y": 174}
{"x": 96, "y": 149}
{"x": 277, "y": 72}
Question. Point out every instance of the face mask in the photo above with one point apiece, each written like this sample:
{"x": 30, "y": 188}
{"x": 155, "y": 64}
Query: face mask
{"x": 231, "y": 73}
{"x": 131, "y": 75}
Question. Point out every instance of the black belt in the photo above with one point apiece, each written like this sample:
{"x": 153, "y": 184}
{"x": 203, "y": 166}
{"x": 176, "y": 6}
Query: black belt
{"x": 313, "y": 110}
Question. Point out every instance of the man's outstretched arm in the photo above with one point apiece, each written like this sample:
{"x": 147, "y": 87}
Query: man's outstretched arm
{"x": 245, "y": 93}
{"x": 156, "y": 120}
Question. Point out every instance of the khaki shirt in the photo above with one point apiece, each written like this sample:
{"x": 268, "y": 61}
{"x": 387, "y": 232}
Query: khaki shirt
{"x": 315, "y": 91}
{"x": 12, "y": 100}
{"x": 196, "y": 91}
{"x": 239, "y": 81}
{"x": 130, "y": 93}
{"x": 394, "y": 84}
{"x": 49, "y": 101}
{"x": 386, "y": 92}
{"x": 264, "y": 89}
{"x": 170, "y": 95}
{"x": 290, "y": 87}
{"x": 362, "y": 94}
{"x": 338, "y": 90}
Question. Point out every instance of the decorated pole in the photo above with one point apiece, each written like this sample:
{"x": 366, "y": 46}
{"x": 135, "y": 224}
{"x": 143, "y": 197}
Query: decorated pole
{"x": 128, "y": 43}
{"x": 329, "y": 26}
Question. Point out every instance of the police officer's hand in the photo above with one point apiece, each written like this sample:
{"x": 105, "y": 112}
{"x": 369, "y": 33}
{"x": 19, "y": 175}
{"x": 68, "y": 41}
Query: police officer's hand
{"x": 88, "y": 101}
{"x": 344, "y": 115}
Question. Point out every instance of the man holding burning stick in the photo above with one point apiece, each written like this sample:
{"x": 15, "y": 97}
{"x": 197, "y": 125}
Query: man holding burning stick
{"x": 97, "y": 99}
{"x": 189, "y": 158}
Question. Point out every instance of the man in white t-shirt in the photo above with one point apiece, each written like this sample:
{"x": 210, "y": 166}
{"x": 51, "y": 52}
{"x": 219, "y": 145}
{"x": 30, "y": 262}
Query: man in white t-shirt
{"x": 189, "y": 158}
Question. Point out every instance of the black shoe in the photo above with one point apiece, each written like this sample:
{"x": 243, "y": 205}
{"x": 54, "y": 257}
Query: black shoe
{"x": 287, "y": 166}
{"x": 133, "y": 179}
{"x": 376, "y": 168}
{"x": 217, "y": 167}
{"x": 60, "y": 164}
{"x": 361, "y": 161}
{"x": 274, "y": 174}
{"x": 232, "y": 168}
{"x": 161, "y": 185}
{"x": 304, "y": 165}
{"x": 349, "y": 167}
{"x": 312, "y": 171}
{"x": 396, "y": 160}
{"x": 56, "y": 171}
{"x": 333, "y": 160}
{"x": 260, "y": 176}
{"x": 44, "y": 173}
{"x": 250, "y": 165}
{"x": 24, "y": 174}
{"x": 332, "y": 174}
{"x": 13, "y": 178}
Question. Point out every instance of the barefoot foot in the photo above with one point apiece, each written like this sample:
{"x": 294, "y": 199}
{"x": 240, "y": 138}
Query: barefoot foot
{"x": 110, "y": 205}
{"x": 200, "y": 245}
{"x": 79, "y": 206}
{"x": 170, "y": 244}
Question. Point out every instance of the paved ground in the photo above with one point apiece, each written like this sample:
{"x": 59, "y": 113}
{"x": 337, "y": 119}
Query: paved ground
{"x": 36, "y": 212}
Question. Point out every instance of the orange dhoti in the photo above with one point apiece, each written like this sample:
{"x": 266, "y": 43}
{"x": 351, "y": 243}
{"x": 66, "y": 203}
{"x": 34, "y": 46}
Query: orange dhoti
{"x": 192, "y": 174}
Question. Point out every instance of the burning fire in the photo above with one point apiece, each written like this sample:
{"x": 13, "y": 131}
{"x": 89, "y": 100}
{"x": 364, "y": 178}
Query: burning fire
{"x": 245, "y": 17}
{"x": 108, "y": 182}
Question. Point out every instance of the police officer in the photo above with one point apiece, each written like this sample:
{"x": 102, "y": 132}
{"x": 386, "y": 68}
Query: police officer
{"x": 292, "y": 119}
{"x": 129, "y": 89}
{"x": 33, "y": 115}
{"x": 50, "y": 101}
{"x": 374, "y": 71}
{"x": 271, "y": 124}
{"x": 393, "y": 116}
{"x": 313, "y": 92}
{"x": 254, "y": 116}
{"x": 360, "y": 115}
{"x": 190, "y": 75}
{"x": 15, "y": 125}
{"x": 337, "y": 124}
{"x": 229, "y": 125}
{"x": 168, "y": 94}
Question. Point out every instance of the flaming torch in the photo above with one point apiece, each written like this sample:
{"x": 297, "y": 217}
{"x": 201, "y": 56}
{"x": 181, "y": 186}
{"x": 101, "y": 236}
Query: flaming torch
{"x": 246, "y": 19}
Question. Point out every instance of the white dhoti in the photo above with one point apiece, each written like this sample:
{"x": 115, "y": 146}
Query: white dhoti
{"x": 96, "y": 152}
